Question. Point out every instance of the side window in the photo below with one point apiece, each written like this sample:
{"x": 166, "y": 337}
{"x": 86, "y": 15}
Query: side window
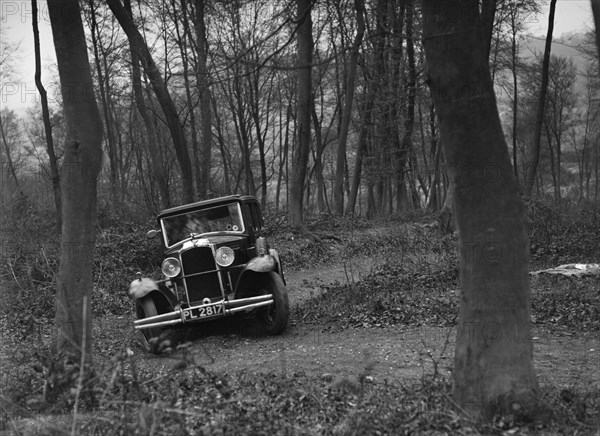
{"x": 256, "y": 216}
{"x": 248, "y": 217}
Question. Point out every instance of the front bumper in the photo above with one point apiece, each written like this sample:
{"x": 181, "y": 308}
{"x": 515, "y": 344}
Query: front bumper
{"x": 186, "y": 315}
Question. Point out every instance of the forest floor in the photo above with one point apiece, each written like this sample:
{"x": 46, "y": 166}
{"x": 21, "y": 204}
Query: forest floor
{"x": 369, "y": 350}
{"x": 330, "y": 350}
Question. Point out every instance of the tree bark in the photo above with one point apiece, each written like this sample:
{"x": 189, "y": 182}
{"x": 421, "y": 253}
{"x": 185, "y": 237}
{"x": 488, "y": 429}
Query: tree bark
{"x": 494, "y": 354}
{"x": 338, "y": 190}
{"x": 138, "y": 45}
{"x": 301, "y": 152}
{"x": 52, "y": 159}
{"x": 80, "y": 169}
{"x": 534, "y": 150}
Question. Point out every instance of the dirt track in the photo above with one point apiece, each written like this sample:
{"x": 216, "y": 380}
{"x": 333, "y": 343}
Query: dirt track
{"x": 393, "y": 353}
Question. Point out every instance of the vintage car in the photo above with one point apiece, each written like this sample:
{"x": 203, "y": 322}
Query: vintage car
{"x": 215, "y": 264}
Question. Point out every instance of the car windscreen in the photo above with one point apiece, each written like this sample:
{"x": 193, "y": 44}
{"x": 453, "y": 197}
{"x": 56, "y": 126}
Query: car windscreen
{"x": 226, "y": 218}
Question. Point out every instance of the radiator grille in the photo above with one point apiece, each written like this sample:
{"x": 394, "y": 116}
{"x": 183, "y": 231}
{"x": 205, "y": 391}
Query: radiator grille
{"x": 201, "y": 286}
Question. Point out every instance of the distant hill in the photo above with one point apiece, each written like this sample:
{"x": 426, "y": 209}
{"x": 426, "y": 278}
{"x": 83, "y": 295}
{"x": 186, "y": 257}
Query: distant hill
{"x": 569, "y": 45}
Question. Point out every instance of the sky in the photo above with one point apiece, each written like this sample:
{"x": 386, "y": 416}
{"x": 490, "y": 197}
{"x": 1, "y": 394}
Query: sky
{"x": 19, "y": 92}
{"x": 570, "y": 16}
{"x": 15, "y": 20}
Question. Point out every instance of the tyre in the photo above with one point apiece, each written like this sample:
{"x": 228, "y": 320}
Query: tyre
{"x": 145, "y": 307}
{"x": 274, "y": 318}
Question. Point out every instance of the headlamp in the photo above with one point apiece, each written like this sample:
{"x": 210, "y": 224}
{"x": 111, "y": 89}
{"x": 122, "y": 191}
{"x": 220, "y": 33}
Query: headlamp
{"x": 224, "y": 256}
{"x": 171, "y": 267}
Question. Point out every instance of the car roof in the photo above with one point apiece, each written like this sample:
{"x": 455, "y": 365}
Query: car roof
{"x": 205, "y": 204}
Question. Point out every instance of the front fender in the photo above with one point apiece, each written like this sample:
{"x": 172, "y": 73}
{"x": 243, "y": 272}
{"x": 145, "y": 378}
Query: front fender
{"x": 279, "y": 268}
{"x": 261, "y": 264}
{"x": 142, "y": 287}
{"x": 255, "y": 271}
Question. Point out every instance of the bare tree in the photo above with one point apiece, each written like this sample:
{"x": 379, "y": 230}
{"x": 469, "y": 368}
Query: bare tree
{"x": 338, "y": 191}
{"x": 162, "y": 94}
{"x": 534, "y": 150}
{"x": 203, "y": 83}
{"x": 596, "y": 14}
{"x": 373, "y": 90}
{"x": 301, "y": 153}
{"x": 145, "y": 112}
{"x": 80, "y": 169}
{"x": 52, "y": 159}
{"x": 494, "y": 355}
{"x": 104, "y": 91}
{"x": 11, "y": 139}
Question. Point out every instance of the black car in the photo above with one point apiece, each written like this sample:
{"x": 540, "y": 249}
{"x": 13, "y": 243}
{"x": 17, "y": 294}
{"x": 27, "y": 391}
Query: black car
{"x": 215, "y": 264}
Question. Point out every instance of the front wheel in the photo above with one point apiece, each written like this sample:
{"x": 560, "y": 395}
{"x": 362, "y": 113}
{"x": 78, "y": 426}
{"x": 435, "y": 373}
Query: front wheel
{"x": 274, "y": 318}
{"x": 145, "y": 307}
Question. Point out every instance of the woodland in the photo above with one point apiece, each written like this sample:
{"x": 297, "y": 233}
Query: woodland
{"x": 440, "y": 140}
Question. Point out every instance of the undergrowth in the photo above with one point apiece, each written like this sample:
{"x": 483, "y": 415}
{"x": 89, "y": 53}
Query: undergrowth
{"x": 415, "y": 283}
{"x": 126, "y": 398}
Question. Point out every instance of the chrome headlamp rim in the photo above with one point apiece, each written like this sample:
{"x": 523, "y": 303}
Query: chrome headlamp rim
{"x": 171, "y": 267}
{"x": 224, "y": 256}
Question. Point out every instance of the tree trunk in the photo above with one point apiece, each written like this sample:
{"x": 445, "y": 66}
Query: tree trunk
{"x": 406, "y": 150}
{"x": 138, "y": 95}
{"x": 52, "y": 159}
{"x": 182, "y": 42}
{"x": 534, "y": 151}
{"x": 302, "y": 149}
{"x": 283, "y": 154}
{"x": 338, "y": 190}
{"x": 596, "y": 14}
{"x": 203, "y": 81}
{"x": 494, "y": 355}
{"x": 115, "y": 192}
{"x": 138, "y": 45}
{"x": 7, "y": 149}
{"x": 80, "y": 169}
{"x": 514, "y": 58}
{"x": 318, "y": 159}
{"x": 221, "y": 142}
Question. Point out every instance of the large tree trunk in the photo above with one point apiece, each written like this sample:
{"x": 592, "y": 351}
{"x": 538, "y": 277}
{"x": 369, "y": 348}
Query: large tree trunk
{"x": 494, "y": 354}
{"x": 338, "y": 190}
{"x": 80, "y": 169}
{"x": 138, "y": 45}
{"x": 534, "y": 151}
{"x": 52, "y": 159}
{"x": 301, "y": 152}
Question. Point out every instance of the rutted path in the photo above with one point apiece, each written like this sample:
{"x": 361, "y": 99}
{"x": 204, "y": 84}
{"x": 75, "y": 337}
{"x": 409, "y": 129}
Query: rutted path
{"x": 393, "y": 353}
{"x": 307, "y": 284}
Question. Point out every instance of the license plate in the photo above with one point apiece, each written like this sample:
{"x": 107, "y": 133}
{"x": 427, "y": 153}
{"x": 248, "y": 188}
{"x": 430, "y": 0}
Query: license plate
{"x": 202, "y": 312}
